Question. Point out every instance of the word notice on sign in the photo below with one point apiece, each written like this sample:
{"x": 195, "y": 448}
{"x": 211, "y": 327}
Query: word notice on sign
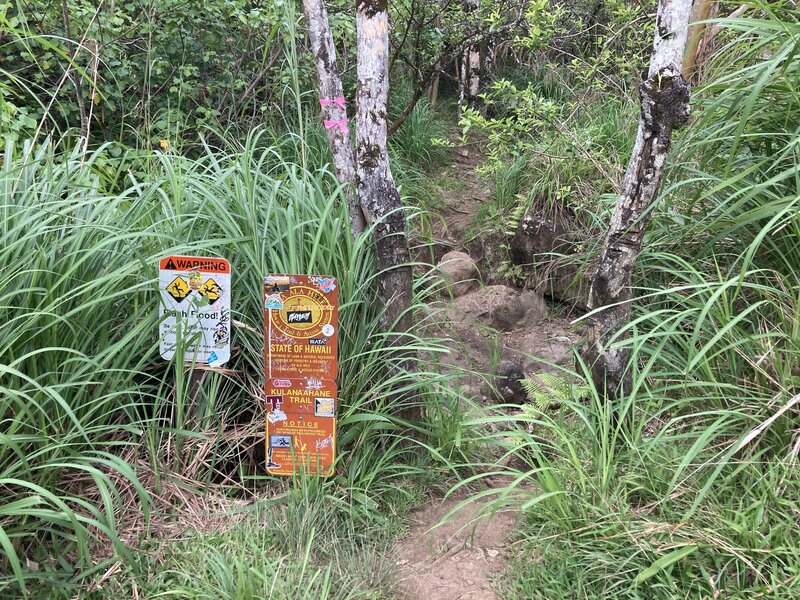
{"x": 195, "y": 308}
{"x": 301, "y": 321}
{"x": 301, "y": 425}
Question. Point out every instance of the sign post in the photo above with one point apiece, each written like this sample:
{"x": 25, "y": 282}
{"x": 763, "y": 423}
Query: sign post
{"x": 301, "y": 321}
{"x": 195, "y": 308}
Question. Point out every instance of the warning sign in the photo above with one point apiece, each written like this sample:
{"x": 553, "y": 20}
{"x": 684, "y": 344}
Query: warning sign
{"x": 195, "y": 308}
{"x": 301, "y": 426}
{"x": 301, "y": 323}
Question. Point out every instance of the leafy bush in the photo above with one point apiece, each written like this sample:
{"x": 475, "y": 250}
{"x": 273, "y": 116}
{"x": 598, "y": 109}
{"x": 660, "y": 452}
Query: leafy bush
{"x": 138, "y": 71}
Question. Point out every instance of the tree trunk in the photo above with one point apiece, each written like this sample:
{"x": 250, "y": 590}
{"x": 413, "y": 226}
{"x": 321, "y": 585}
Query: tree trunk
{"x": 433, "y": 91}
{"x": 700, "y": 12}
{"x": 334, "y": 113}
{"x": 461, "y": 67}
{"x": 705, "y": 47}
{"x": 665, "y": 107}
{"x": 377, "y": 192}
{"x": 474, "y": 74}
{"x": 489, "y": 58}
{"x": 75, "y": 78}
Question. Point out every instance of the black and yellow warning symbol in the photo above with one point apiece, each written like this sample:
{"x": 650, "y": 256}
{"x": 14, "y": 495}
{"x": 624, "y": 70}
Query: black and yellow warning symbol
{"x": 178, "y": 289}
{"x": 211, "y": 290}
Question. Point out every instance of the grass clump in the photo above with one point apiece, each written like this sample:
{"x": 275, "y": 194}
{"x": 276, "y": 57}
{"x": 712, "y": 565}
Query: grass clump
{"x": 104, "y": 442}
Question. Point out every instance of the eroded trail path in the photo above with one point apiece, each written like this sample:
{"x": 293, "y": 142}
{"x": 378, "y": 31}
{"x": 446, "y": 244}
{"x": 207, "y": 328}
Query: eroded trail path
{"x": 455, "y": 552}
{"x": 457, "y": 559}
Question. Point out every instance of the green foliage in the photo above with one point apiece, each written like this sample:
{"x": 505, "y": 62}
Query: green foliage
{"x": 15, "y": 121}
{"x": 549, "y": 389}
{"x": 685, "y": 487}
{"x": 428, "y": 35}
{"x": 527, "y": 112}
{"x": 91, "y": 411}
{"x": 413, "y": 141}
{"x": 146, "y": 69}
{"x": 301, "y": 544}
{"x": 553, "y": 146}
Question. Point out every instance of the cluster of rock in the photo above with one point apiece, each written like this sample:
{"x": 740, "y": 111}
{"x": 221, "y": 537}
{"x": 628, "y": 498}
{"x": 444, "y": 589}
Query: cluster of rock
{"x": 499, "y": 328}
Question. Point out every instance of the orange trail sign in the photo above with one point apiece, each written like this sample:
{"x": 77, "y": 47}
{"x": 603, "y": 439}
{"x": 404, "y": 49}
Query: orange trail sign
{"x": 195, "y": 308}
{"x": 301, "y": 426}
{"x": 301, "y": 345}
{"x": 301, "y": 326}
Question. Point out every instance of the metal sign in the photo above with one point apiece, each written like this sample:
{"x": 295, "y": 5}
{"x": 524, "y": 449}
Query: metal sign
{"x": 301, "y": 333}
{"x": 301, "y": 426}
{"x": 195, "y": 308}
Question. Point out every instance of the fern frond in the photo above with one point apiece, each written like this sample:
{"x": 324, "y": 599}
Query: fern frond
{"x": 548, "y": 389}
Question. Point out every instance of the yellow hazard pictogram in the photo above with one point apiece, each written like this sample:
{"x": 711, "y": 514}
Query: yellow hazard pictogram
{"x": 178, "y": 289}
{"x": 211, "y": 290}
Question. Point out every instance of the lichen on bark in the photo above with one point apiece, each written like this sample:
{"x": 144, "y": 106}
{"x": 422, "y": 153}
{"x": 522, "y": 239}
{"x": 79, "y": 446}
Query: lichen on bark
{"x": 664, "y": 109}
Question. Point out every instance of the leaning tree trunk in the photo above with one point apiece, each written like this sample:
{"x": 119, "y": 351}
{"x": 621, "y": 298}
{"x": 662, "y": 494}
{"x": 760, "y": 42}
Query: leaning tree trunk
{"x": 665, "y": 107}
{"x": 377, "y": 192}
{"x": 331, "y": 98}
{"x": 705, "y": 45}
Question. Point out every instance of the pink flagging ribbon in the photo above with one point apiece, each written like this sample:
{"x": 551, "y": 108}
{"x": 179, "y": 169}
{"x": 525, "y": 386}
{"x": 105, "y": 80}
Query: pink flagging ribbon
{"x": 341, "y": 124}
{"x": 335, "y": 102}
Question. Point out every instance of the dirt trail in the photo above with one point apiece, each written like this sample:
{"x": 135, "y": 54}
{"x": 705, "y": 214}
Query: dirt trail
{"x": 459, "y": 209}
{"x": 457, "y": 559}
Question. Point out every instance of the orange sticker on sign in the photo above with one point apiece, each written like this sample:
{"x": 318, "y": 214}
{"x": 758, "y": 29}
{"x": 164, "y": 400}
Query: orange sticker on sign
{"x": 301, "y": 321}
{"x": 301, "y": 426}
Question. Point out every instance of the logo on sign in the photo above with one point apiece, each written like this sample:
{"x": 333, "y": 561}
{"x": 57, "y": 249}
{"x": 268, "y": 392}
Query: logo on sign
{"x": 298, "y": 316}
{"x": 318, "y": 341}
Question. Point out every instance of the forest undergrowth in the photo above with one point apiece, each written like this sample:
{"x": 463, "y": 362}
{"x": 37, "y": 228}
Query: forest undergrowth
{"x": 103, "y": 444}
{"x": 114, "y": 483}
{"x": 685, "y": 487}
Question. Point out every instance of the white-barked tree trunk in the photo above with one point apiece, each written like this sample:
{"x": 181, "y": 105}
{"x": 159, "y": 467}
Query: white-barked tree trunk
{"x": 334, "y": 112}
{"x": 664, "y": 108}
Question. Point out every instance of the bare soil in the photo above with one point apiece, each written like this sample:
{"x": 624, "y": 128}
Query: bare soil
{"x": 459, "y": 209}
{"x": 455, "y": 552}
{"x": 456, "y": 559}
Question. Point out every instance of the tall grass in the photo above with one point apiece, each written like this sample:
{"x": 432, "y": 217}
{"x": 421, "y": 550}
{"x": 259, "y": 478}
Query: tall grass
{"x": 89, "y": 410}
{"x": 685, "y": 488}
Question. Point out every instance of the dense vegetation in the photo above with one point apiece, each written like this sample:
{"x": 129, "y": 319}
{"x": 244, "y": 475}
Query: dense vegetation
{"x": 685, "y": 487}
